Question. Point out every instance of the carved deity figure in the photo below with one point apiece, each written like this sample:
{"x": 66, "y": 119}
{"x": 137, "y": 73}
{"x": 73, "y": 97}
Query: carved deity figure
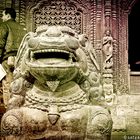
{"x": 56, "y": 89}
{"x": 107, "y": 50}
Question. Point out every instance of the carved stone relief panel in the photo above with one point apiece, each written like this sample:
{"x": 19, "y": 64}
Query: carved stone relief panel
{"x": 58, "y": 13}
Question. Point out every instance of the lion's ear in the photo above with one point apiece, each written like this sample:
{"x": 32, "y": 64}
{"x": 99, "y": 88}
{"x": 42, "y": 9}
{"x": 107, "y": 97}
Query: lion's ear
{"x": 83, "y": 39}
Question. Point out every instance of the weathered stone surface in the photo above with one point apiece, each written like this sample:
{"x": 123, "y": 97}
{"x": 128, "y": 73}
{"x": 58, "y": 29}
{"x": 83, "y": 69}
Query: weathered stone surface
{"x": 56, "y": 91}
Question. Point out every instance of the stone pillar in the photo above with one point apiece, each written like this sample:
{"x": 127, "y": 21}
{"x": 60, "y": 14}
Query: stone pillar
{"x": 107, "y": 13}
{"x": 115, "y": 44}
{"x": 99, "y": 26}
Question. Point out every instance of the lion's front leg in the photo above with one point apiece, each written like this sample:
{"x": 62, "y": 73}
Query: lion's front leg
{"x": 11, "y": 123}
{"x": 23, "y": 124}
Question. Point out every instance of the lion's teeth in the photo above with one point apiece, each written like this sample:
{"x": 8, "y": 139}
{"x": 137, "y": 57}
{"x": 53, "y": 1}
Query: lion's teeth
{"x": 49, "y": 50}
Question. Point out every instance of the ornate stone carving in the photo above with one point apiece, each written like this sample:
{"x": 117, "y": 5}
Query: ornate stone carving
{"x": 56, "y": 91}
{"x": 22, "y": 14}
{"x": 58, "y": 13}
{"x": 62, "y": 12}
{"x": 107, "y": 14}
{"x": 107, "y": 50}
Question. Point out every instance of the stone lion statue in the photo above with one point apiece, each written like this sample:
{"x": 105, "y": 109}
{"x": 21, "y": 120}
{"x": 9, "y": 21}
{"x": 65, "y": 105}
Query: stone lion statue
{"x": 56, "y": 91}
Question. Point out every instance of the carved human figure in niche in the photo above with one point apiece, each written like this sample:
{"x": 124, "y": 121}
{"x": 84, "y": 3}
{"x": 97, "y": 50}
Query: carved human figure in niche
{"x": 107, "y": 43}
{"x": 107, "y": 50}
{"x": 110, "y": 97}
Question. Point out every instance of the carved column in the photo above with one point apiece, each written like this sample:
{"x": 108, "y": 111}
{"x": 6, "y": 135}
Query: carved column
{"x": 99, "y": 20}
{"x": 93, "y": 21}
{"x": 22, "y": 15}
{"x": 122, "y": 49}
{"x": 107, "y": 55}
{"x": 107, "y": 13}
{"x": 115, "y": 44}
{"x": 125, "y": 50}
{"x": 99, "y": 26}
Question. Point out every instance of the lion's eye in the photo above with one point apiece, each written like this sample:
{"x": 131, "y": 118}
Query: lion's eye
{"x": 72, "y": 42}
{"x": 33, "y": 42}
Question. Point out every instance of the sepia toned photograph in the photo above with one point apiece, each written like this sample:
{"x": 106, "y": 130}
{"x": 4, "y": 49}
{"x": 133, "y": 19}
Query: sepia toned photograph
{"x": 69, "y": 70}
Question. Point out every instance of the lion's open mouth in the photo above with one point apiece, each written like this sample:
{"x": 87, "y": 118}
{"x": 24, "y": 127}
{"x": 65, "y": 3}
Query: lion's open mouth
{"x": 51, "y": 57}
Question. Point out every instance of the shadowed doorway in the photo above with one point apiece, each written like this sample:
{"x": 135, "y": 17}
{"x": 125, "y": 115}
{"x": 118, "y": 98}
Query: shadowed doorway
{"x": 134, "y": 37}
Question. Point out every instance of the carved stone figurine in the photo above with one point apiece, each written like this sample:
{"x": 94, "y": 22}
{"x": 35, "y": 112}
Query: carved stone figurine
{"x": 56, "y": 89}
{"x": 107, "y": 51}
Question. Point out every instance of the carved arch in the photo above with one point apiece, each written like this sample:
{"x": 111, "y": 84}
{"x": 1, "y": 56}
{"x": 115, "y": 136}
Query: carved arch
{"x": 80, "y": 14}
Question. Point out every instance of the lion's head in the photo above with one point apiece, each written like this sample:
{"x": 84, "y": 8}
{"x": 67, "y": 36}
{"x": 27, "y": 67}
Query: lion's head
{"x": 52, "y": 53}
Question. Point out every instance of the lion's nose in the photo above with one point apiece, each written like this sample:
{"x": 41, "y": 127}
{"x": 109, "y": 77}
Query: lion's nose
{"x": 53, "y": 32}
